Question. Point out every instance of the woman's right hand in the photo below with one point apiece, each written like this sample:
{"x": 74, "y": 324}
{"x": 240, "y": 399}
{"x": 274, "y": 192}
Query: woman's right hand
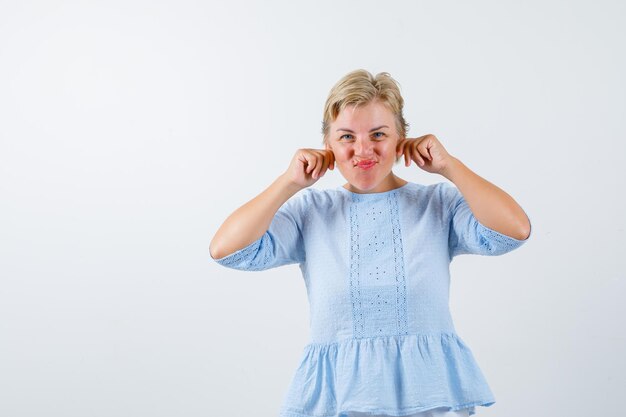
{"x": 309, "y": 165}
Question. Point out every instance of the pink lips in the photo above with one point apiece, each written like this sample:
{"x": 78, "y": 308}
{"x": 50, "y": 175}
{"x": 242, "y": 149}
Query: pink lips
{"x": 366, "y": 164}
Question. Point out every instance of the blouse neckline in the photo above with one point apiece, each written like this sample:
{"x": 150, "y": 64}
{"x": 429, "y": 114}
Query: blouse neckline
{"x": 371, "y": 196}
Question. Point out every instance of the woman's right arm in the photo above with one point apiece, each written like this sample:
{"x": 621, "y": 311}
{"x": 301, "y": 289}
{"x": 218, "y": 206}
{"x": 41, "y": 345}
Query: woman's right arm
{"x": 249, "y": 222}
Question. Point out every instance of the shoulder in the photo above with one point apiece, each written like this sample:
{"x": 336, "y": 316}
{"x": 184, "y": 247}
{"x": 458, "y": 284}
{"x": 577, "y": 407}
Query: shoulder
{"x": 424, "y": 194}
{"x": 311, "y": 199}
{"x": 321, "y": 198}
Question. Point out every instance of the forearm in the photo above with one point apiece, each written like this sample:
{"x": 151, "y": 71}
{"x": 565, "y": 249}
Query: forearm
{"x": 491, "y": 206}
{"x": 250, "y": 221}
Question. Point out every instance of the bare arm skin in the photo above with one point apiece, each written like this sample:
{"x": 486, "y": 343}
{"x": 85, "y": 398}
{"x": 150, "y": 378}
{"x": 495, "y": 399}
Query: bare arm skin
{"x": 250, "y": 221}
{"x": 491, "y": 206}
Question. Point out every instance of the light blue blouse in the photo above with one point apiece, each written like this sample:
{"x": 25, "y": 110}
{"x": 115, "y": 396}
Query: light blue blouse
{"x": 376, "y": 270}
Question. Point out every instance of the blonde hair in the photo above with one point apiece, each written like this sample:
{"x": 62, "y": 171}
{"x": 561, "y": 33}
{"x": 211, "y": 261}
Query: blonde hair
{"x": 361, "y": 87}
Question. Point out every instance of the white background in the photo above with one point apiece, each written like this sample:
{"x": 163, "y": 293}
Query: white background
{"x": 129, "y": 130}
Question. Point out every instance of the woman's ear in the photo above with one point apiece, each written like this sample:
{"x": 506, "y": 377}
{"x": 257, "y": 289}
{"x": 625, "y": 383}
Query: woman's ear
{"x": 401, "y": 155}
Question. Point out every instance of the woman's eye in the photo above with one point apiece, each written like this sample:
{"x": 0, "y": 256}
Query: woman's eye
{"x": 376, "y": 133}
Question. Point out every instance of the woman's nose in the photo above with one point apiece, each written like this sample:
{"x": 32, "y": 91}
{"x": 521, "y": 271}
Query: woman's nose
{"x": 363, "y": 147}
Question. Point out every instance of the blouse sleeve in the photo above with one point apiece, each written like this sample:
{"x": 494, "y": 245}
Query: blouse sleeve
{"x": 281, "y": 244}
{"x": 468, "y": 235}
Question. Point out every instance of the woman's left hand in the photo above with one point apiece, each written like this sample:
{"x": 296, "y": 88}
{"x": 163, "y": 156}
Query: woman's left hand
{"x": 426, "y": 151}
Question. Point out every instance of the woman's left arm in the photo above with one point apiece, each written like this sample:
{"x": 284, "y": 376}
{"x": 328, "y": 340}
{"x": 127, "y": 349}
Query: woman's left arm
{"x": 491, "y": 205}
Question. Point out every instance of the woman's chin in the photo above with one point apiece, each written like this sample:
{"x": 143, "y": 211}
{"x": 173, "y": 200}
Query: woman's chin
{"x": 363, "y": 186}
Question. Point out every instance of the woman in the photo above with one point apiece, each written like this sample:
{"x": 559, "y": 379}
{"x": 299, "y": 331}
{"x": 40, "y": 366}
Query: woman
{"x": 375, "y": 255}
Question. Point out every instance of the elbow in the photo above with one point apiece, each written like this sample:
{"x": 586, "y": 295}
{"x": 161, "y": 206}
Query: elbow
{"x": 214, "y": 250}
{"x": 522, "y": 235}
{"x": 524, "y": 230}
{"x": 520, "y": 232}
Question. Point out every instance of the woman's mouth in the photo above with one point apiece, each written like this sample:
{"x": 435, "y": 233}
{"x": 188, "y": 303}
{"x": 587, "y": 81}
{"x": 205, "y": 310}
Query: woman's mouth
{"x": 366, "y": 164}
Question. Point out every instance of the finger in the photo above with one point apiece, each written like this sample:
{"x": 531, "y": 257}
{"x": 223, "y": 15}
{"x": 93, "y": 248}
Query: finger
{"x": 328, "y": 160}
{"x": 325, "y": 166}
{"x": 316, "y": 169}
{"x": 424, "y": 150}
{"x": 330, "y": 157}
{"x": 320, "y": 166}
{"x": 406, "y": 145}
{"x": 418, "y": 157}
{"x": 407, "y": 157}
{"x": 398, "y": 151}
{"x": 427, "y": 154}
{"x": 311, "y": 160}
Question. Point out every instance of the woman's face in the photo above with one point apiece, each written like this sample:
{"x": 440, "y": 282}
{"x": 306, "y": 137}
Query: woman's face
{"x": 364, "y": 141}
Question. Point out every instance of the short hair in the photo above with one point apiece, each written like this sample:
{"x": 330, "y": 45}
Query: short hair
{"x": 361, "y": 87}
